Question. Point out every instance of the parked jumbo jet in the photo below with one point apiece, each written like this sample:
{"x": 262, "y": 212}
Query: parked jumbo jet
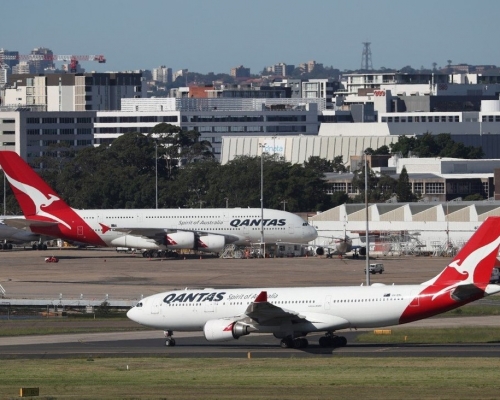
{"x": 292, "y": 313}
{"x": 155, "y": 229}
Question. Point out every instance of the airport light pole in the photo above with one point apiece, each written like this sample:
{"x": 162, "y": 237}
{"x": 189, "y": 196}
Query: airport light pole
{"x": 367, "y": 264}
{"x": 263, "y": 246}
{"x": 156, "y": 172}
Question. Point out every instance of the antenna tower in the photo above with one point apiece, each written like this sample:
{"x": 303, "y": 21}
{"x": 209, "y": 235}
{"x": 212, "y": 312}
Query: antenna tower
{"x": 366, "y": 57}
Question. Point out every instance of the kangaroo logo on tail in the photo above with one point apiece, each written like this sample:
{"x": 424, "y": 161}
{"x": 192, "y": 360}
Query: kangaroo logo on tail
{"x": 39, "y": 199}
{"x": 464, "y": 269}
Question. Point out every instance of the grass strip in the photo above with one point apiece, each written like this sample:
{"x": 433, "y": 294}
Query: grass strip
{"x": 230, "y": 378}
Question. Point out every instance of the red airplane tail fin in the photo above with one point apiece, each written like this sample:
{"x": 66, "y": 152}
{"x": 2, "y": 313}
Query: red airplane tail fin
{"x": 475, "y": 261}
{"x": 36, "y": 199}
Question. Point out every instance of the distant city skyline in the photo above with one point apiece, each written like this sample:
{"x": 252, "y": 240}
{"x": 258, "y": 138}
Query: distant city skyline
{"x": 217, "y": 36}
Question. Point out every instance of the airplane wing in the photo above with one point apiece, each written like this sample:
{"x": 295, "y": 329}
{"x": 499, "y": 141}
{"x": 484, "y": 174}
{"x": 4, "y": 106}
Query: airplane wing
{"x": 158, "y": 234}
{"x": 24, "y": 223}
{"x": 264, "y": 313}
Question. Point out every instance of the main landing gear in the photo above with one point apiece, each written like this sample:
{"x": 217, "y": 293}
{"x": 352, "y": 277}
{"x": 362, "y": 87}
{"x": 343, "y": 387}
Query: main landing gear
{"x": 294, "y": 343}
{"x": 331, "y": 340}
{"x": 160, "y": 254}
{"x": 169, "y": 340}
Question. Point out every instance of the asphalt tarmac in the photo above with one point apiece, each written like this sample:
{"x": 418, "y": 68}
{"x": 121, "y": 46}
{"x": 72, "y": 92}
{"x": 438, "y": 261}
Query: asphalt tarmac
{"x": 100, "y": 272}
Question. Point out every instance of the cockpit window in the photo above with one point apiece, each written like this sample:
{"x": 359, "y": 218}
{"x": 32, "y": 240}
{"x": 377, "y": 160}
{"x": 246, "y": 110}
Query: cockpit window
{"x": 139, "y": 304}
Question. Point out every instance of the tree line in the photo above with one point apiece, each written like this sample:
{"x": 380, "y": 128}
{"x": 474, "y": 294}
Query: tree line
{"x": 173, "y": 168}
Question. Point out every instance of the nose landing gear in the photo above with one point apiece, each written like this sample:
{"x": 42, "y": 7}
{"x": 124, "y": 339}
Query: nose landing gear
{"x": 169, "y": 340}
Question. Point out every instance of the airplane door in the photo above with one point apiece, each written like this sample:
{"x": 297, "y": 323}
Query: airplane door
{"x": 210, "y": 307}
{"x": 415, "y": 299}
{"x": 291, "y": 229}
{"x": 328, "y": 301}
{"x": 155, "y": 306}
{"x": 79, "y": 230}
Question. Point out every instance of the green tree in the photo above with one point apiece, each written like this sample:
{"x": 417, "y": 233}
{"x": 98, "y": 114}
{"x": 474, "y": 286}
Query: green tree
{"x": 403, "y": 187}
{"x": 429, "y": 145}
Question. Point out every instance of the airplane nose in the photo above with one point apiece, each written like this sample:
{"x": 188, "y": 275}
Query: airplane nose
{"x": 132, "y": 314}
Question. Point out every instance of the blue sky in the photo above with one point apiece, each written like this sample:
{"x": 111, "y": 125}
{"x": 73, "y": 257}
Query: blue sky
{"x": 214, "y": 36}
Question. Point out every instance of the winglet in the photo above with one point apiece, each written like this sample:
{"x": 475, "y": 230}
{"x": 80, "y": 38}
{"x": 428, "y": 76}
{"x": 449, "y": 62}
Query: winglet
{"x": 261, "y": 298}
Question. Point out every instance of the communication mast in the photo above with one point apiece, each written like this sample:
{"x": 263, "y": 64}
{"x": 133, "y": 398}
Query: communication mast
{"x": 366, "y": 57}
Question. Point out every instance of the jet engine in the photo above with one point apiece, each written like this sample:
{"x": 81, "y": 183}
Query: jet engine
{"x": 138, "y": 242}
{"x": 180, "y": 240}
{"x": 320, "y": 251}
{"x": 210, "y": 243}
{"x": 225, "y": 329}
{"x": 362, "y": 251}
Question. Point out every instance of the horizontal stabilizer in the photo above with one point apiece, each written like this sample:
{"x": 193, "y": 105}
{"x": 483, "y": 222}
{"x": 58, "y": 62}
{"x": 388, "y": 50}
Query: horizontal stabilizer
{"x": 466, "y": 292}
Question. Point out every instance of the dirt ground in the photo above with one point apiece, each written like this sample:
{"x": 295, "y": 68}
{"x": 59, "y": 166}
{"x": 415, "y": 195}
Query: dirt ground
{"x": 97, "y": 273}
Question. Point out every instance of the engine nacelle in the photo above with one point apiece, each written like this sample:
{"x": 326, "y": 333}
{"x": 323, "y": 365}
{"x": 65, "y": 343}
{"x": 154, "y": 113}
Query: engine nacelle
{"x": 320, "y": 251}
{"x": 210, "y": 243}
{"x": 180, "y": 240}
{"x": 224, "y": 329}
{"x": 137, "y": 242}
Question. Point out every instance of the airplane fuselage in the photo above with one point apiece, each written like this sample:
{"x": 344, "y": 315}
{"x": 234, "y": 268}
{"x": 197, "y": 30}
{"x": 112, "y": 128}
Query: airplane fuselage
{"x": 120, "y": 227}
{"x": 324, "y": 308}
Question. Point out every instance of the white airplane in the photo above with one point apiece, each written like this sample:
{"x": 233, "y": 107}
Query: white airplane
{"x": 9, "y": 235}
{"x": 337, "y": 246}
{"x": 290, "y": 313}
{"x": 158, "y": 230}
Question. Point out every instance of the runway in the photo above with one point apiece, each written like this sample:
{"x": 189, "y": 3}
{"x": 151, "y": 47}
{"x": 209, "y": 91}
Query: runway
{"x": 103, "y": 272}
{"x": 194, "y": 345}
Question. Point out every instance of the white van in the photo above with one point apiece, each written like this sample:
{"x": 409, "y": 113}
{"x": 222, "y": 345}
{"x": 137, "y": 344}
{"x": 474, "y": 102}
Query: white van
{"x": 375, "y": 268}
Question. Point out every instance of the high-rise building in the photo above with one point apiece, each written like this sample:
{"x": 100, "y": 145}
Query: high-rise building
{"x": 281, "y": 69}
{"x": 13, "y": 58}
{"x": 74, "y": 92}
{"x": 240, "y": 72}
{"x": 43, "y": 59}
{"x": 22, "y": 68}
{"x": 162, "y": 74}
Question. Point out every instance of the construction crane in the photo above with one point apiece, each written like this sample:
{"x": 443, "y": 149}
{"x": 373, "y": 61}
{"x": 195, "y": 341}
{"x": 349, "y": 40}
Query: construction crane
{"x": 73, "y": 59}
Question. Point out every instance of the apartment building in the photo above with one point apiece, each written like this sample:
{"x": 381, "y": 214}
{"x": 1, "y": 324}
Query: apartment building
{"x": 74, "y": 92}
{"x": 31, "y": 133}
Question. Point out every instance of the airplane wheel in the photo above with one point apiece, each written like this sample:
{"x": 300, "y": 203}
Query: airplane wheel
{"x": 44, "y": 247}
{"x": 342, "y": 341}
{"x": 170, "y": 342}
{"x": 33, "y": 247}
{"x": 145, "y": 254}
{"x": 10, "y": 246}
{"x": 287, "y": 343}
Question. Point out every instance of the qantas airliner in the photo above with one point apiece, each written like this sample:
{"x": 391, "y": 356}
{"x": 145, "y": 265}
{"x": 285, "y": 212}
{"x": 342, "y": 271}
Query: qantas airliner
{"x": 291, "y": 313}
{"x": 157, "y": 230}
